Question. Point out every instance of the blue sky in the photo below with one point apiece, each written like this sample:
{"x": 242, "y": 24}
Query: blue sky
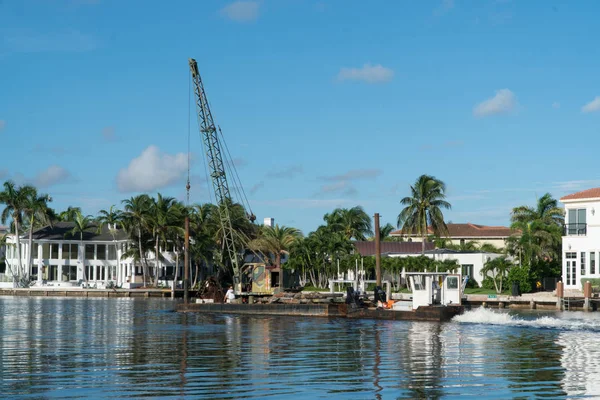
{"x": 323, "y": 104}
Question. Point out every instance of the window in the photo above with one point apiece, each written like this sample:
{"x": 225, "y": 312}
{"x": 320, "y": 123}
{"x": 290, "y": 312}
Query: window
{"x": 46, "y": 250}
{"x": 467, "y": 270}
{"x": 582, "y": 263}
{"x": 576, "y": 224}
{"x": 72, "y": 274}
{"x": 88, "y": 273}
{"x": 53, "y": 273}
{"x": 452, "y": 282}
{"x": 74, "y": 251}
{"x": 35, "y": 251}
{"x": 419, "y": 282}
{"x": 462, "y": 242}
{"x": 100, "y": 252}
{"x": 65, "y": 252}
{"x": 89, "y": 251}
{"x": 34, "y": 273}
{"x": 592, "y": 263}
{"x": 112, "y": 253}
{"x": 571, "y": 268}
{"x": 100, "y": 273}
{"x": 2, "y": 268}
{"x": 54, "y": 251}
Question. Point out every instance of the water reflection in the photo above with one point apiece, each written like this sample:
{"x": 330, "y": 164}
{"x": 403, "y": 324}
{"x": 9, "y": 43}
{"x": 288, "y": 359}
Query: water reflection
{"x": 79, "y": 348}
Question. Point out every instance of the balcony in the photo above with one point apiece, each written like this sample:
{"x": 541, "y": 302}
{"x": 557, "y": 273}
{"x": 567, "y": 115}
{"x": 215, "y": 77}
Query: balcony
{"x": 575, "y": 229}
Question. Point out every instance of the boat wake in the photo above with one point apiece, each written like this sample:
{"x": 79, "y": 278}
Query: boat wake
{"x": 490, "y": 317}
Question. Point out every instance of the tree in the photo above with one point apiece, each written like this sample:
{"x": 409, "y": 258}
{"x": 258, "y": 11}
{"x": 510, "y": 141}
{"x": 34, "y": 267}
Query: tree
{"x": 165, "y": 215}
{"x": 136, "y": 219}
{"x": 276, "y": 240}
{"x": 37, "y": 212}
{"x": 497, "y": 269}
{"x": 14, "y": 198}
{"x": 423, "y": 208}
{"x": 111, "y": 219}
{"x": 69, "y": 214}
{"x": 539, "y": 231}
{"x": 81, "y": 224}
{"x": 352, "y": 222}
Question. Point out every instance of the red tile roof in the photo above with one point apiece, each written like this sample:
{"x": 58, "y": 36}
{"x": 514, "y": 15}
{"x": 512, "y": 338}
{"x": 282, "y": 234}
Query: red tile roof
{"x": 593, "y": 193}
{"x": 470, "y": 230}
{"x": 367, "y": 248}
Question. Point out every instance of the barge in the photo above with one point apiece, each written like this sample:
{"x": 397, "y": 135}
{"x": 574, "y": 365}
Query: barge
{"x": 435, "y": 297}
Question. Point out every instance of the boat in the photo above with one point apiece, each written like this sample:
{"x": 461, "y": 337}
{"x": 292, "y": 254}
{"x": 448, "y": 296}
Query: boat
{"x": 436, "y": 296}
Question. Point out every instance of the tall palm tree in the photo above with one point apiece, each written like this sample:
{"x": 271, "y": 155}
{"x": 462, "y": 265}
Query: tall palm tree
{"x": 539, "y": 231}
{"x": 110, "y": 218}
{"x": 81, "y": 224}
{"x": 137, "y": 221}
{"x": 14, "y": 198}
{"x": 276, "y": 240}
{"x": 166, "y": 216}
{"x": 69, "y": 214}
{"x": 37, "y": 212}
{"x": 423, "y": 208}
{"x": 353, "y": 222}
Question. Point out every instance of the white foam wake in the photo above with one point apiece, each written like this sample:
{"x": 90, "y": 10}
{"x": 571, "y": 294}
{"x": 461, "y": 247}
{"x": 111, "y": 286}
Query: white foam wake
{"x": 489, "y": 317}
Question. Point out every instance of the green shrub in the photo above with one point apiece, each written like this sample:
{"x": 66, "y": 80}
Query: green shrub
{"x": 594, "y": 281}
{"x": 472, "y": 284}
{"x": 520, "y": 275}
{"x": 488, "y": 283}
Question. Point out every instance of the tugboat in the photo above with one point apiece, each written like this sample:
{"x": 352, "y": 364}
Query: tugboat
{"x": 436, "y": 296}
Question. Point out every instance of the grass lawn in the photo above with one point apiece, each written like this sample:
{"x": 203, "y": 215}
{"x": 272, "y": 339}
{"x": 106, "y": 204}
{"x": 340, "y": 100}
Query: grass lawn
{"x": 484, "y": 291}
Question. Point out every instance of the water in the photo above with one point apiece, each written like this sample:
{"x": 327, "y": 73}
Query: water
{"x": 137, "y": 348}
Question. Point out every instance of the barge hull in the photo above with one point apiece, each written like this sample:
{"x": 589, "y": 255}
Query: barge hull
{"x": 436, "y": 314}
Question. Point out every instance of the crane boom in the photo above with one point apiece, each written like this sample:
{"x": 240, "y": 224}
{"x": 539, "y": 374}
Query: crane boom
{"x": 212, "y": 147}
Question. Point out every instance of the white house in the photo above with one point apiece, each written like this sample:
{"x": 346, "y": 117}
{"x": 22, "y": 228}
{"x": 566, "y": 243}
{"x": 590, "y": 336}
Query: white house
{"x": 471, "y": 262}
{"x": 459, "y": 234}
{"x": 60, "y": 259}
{"x": 581, "y": 237}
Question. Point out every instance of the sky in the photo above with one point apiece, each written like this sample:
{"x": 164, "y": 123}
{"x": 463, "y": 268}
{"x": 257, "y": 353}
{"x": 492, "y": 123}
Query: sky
{"x": 322, "y": 104}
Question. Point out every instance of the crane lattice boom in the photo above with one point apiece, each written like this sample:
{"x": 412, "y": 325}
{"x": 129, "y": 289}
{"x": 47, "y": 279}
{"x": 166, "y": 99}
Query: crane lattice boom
{"x": 212, "y": 147}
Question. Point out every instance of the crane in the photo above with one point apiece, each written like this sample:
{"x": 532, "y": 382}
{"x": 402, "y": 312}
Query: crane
{"x": 216, "y": 166}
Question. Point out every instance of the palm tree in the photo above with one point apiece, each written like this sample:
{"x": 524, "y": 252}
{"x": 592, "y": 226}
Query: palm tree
{"x": 276, "y": 240}
{"x": 353, "y": 222}
{"x": 137, "y": 220}
{"x": 111, "y": 218}
{"x": 540, "y": 231}
{"x": 166, "y": 216}
{"x": 36, "y": 210}
{"x": 14, "y": 198}
{"x": 81, "y": 224}
{"x": 498, "y": 269}
{"x": 69, "y": 214}
{"x": 423, "y": 208}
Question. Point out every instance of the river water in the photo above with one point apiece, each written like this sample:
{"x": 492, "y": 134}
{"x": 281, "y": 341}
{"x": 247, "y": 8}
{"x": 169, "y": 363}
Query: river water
{"x": 138, "y": 348}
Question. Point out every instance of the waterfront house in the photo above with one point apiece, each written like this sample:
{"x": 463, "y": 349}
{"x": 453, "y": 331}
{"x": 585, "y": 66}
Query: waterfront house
{"x": 581, "y": 237}
{"x": 63, "y": 260}
{"x": 459, "y": 234}
{"x": 471, "y": 262}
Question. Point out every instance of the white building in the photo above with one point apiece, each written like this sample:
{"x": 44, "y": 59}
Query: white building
{"x": 581, "y": 237}
{"x": 471, "y": 262}
{"x": 459, "y": 234}
{"x": 65, "y": 260}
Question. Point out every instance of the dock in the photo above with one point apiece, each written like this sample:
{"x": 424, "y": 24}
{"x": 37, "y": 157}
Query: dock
{"x": 77, "y": 292}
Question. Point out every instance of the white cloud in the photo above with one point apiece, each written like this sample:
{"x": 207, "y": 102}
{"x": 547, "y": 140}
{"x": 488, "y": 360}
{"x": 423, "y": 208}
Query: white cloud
{"x": 256, "y": 187}
{"x": 575, "y": 185}
{"x": 503, "y": 102}
{"x": 592, "y": 106}
{"x": 2, "y": 124}
{"x": 52, "y": 175}
{"x": 242, "y": 11}
{"x": 556, "y": 105}
{"x": 152, "y": 170}
{"x": 368, "y": 73}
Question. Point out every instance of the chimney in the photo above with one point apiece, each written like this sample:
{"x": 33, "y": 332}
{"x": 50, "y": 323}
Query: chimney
{"x": 269, "y": 222}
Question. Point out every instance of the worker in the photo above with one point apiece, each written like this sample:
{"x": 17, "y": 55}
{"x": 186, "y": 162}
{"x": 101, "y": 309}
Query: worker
{"x": 229, "y": 296}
